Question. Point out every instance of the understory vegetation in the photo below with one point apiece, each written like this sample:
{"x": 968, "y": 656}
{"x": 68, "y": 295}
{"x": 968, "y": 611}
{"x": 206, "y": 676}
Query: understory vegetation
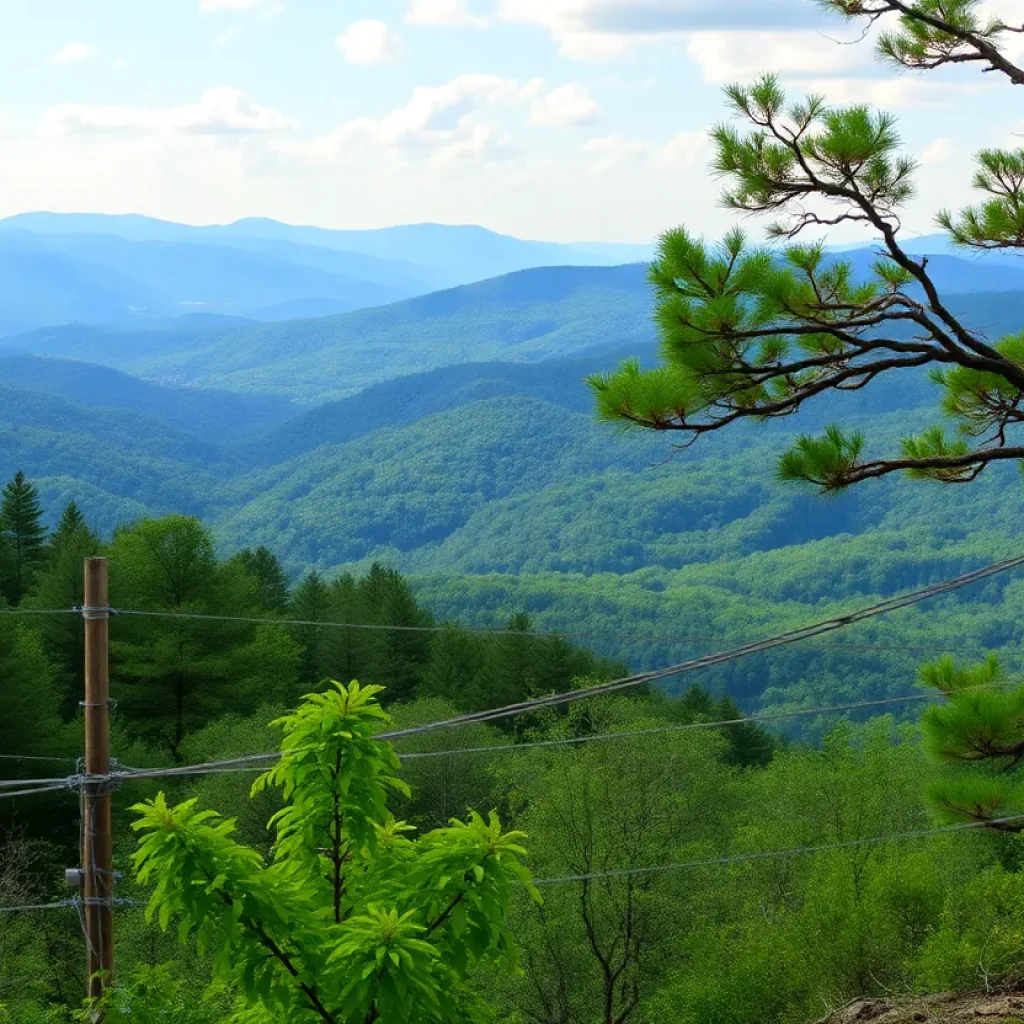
{"x": 720, "y": 935}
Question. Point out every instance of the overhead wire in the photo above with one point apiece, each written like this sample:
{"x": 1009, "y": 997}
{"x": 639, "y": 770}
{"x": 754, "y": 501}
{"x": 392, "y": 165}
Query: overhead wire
{"x": 743, "y": 858}
{"x": 512, "y": 710}
{"x": 691, "y": 639}
{"x": 539, "y": 634}
{"x": 720, "y": 657}
{"x": 34, "y": 791}
{"x": 257, "y": 762}
{"x": 39, "y": 611}
{"x": 505, "y": 631}
{"x": 34, "y": 757}
{"x": 11, "y": 783}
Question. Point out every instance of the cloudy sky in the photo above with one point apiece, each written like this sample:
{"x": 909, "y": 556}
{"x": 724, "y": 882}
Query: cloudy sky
{"x": 559, "y": 119}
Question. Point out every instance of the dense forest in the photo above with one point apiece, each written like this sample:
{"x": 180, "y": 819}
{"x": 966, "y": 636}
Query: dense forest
{"x": 617, "y": 785}
{"x": 492, "y": 490}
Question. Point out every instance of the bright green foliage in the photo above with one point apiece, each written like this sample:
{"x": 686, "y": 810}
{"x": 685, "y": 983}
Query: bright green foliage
{"x": 377, "y": 926}
{"x": 22, "y": 537}
{"x": 932, "y": 33}
{"x": 335, "y": 779}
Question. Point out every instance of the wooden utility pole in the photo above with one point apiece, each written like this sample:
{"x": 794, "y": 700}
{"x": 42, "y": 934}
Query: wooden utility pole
{"x": 97, "y": 860}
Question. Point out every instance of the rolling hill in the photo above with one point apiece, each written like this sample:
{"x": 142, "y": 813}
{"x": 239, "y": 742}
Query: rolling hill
{"x": 439, "y": 254}
{"x": 467, "y": 455}
{"x": 201, "y": 413}
{"x": 526, "y": 316}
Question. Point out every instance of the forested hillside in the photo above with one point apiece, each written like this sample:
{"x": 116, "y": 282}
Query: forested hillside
{"x": 702, "y": 941}
{"x": 491, "y": 485}
{"x": 448, "y": 492}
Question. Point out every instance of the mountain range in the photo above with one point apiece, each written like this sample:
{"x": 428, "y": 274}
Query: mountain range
{"x": 451, "y": 434}
{"x": 134, "y": 272}
{"x": 102, "y": 269}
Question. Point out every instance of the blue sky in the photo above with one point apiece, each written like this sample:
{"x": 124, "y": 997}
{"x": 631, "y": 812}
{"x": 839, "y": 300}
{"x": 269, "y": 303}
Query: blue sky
{"x": 561, "y": 119}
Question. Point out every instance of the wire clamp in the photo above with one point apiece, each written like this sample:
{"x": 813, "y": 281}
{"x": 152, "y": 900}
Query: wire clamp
{"x": 90, "y": 613}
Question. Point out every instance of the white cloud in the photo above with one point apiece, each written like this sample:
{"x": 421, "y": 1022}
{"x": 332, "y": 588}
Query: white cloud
{"x": 888, "y": 93}
{"x": 938, "y": 151}
{"x": 738, "y": 56}
{"x": 439, "y": 121}
{"x": 568, "y": 106}
{"x": 220, "y": 111}
{"x": 369, "y": 42}
{"x": 611, "y": 152}
{"x": 119, "y": 64}
{"x": 603, "y": 29}
{"x": 73, "y": 53}
{"x": 443, "y": 14}
{"x": 447, "y": 123}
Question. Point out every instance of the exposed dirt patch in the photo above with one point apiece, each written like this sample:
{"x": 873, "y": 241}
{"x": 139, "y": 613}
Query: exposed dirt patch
{"x": 1002, "y": 1006}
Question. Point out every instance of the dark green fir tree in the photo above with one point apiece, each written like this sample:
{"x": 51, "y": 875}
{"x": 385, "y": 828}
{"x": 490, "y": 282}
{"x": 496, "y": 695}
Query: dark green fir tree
{"x": 24, "y": 537}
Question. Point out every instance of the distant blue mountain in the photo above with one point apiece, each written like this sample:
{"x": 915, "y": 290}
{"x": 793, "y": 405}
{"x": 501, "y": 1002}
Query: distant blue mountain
{"x": 950, "y": 273}
{"x": 104, "y": 278}
{"x": 435, "y": 254}
{"x": 939, "y": 244}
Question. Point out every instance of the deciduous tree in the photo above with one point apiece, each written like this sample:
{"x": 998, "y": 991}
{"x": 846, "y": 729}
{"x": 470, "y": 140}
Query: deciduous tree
{"x": 352, "y": 920}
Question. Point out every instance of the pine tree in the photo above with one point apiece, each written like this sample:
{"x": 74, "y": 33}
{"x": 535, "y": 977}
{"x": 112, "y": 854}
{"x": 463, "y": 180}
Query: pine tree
{"x": 311, "y": 602}
{"x": 264, "y": 568}
{"x": 455, "y": 660}
{"x": 59, "y": 584}
{"x": 24, "y": 536}
{"x": 395, "y": 658}
{"x": 756, "y": 332}
{"x": 72, "y": 522}
{"x": 345, "y": 649}
{"x": 175, "y": 675}
{"x": 512, "y": 666}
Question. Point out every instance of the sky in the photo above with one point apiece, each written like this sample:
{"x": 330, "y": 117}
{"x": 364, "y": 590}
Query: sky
{"x": 569, "y": 120}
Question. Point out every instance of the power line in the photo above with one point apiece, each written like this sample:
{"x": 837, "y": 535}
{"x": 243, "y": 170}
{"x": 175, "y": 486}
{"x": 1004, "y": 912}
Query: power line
{"x": 720, "y": 657}
{"x": 40, "y": 611}
{"x": 743, "y": 858}
{"x": 37, "y": 906}
{"x": 539, "y": 634}
{"x": 661, "y": 729}
{"x": 239, "y": 764}
{"x": 692, "y": 639}
{"x": 76, "y": 902}
{"x": 33, "y": 757}
{"x": 34, "y": 791}
{"x": 11, "y": 783}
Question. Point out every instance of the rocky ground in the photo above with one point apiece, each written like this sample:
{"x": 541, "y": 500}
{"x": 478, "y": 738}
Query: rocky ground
{"x": 1005, "y": 1006}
